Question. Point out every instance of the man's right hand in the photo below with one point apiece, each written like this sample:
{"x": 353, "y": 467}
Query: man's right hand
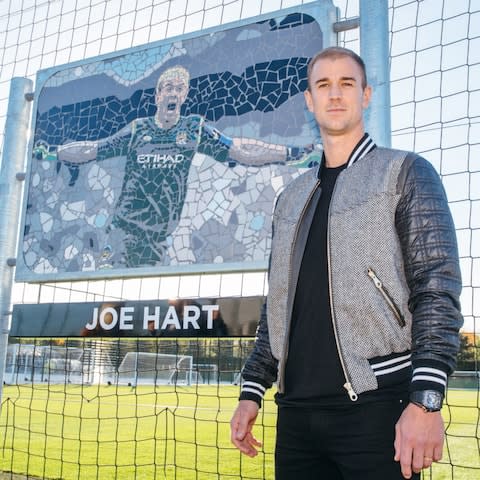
{"x": 241, "y": 426}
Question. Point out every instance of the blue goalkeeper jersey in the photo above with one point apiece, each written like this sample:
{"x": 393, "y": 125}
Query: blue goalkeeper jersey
{"x": 155, "y": 181}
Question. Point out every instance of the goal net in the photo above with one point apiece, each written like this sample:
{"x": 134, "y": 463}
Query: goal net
{"x": 28, "y": 363}
{"x": 155, "y": 369}
{"x": 205, "y": 373}
{"x": 33, "y": 363}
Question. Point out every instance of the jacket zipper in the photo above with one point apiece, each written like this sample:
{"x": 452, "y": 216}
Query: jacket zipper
{"x": 287, "y": 330}
{"x": 378, "y": 283}
{"x": 347, "y": 385}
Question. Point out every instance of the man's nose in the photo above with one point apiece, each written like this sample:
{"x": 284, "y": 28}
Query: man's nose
{"x": 335, "y": 91}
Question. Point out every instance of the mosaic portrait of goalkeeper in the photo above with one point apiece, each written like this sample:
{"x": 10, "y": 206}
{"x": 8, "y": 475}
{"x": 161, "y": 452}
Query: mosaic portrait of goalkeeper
{"x": 159, "y": 152}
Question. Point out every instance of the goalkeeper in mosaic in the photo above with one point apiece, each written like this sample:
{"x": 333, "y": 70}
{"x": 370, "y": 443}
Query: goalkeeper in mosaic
{"x": 159, "y": 151}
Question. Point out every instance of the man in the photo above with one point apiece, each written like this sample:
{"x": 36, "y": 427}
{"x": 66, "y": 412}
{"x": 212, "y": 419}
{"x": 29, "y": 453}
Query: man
{"x": 360, "y": 328}
{"x": 159, "y": 152}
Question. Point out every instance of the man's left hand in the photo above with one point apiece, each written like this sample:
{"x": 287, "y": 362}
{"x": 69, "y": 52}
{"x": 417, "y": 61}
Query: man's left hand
{"x": 418, "y": 439}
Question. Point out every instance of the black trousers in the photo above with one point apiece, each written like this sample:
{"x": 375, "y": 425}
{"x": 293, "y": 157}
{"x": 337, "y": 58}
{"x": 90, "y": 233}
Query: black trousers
{"x": 345, "y": 443}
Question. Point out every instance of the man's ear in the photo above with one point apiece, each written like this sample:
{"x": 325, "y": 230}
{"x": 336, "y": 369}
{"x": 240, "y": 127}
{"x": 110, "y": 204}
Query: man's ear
{"x": 308, "y": 100}
{"x": 367, "y": 96}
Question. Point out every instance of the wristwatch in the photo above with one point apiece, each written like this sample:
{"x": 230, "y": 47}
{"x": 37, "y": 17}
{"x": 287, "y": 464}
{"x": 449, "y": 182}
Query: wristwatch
{"x": 427, "y": 400}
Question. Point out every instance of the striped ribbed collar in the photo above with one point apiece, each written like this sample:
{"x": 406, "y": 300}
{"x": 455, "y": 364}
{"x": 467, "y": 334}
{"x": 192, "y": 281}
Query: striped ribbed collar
{"x": 364, "y": 146}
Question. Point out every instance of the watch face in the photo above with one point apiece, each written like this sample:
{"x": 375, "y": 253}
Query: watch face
{"x": 433, "y": 400}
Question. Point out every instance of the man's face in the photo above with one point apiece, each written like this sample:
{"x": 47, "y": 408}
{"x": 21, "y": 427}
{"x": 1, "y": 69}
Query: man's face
{"x": 170, "y": 96}
{"x": 336, "y": 96}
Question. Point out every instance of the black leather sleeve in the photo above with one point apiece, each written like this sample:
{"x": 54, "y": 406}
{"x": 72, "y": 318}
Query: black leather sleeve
{"x": 428, "y": 240}
{"x": 260, "y": 367}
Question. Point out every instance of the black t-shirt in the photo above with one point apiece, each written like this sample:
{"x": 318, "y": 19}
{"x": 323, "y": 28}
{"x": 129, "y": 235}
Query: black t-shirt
{"x": 313, "y": 371}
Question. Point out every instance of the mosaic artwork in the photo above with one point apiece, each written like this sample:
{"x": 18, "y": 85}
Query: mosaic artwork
{"x": 169, "y": 158}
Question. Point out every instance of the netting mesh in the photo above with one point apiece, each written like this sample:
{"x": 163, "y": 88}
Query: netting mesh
{"x": 127, "y": 424}
{"x": 64, "y": 413}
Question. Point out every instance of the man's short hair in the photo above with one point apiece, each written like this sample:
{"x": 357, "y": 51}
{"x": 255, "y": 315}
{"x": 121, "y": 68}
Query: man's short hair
{"x": 174, "y": 72}
{"x": 334, "y": 53}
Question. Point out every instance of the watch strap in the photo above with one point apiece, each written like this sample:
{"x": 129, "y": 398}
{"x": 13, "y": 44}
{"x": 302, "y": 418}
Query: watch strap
{"x": 428, "y": 400}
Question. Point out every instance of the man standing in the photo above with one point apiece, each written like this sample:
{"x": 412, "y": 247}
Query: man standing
{"x": 360, "y": 328}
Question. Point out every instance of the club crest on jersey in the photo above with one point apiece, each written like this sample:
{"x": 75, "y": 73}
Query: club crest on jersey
{"x": 159, "y": 160}
{"x": 181, "y": 138}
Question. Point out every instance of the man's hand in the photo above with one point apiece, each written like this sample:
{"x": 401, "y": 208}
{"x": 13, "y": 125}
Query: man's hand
{"x": 241, "y": 426}
{"x": 418, "y": 439}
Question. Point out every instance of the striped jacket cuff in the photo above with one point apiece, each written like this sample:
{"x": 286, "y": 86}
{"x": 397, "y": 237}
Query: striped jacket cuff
{"x": 393, "y": 369}
{"x": 429, "y": 377}
{"x": 252, "y": 391}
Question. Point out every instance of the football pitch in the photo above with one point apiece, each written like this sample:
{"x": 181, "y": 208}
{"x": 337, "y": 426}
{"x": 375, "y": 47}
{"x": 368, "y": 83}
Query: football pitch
{"x": 168, "y": 432}
{"x": 113, "y": 432}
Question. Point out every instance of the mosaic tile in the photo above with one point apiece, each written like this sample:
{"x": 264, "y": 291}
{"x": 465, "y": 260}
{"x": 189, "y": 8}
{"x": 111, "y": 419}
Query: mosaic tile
{"x": 126, "y": 175}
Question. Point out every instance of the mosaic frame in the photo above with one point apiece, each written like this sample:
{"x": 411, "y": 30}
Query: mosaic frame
{"x": 167, "y": 158}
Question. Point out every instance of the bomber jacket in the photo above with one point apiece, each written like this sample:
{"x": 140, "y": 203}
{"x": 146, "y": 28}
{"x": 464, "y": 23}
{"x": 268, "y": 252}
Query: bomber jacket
{"x": 394, "y": 276}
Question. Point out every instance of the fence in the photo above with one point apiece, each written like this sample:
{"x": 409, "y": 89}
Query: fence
{"x": 56, "y": 426}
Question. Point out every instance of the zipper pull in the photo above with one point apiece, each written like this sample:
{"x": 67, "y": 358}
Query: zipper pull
{"x": 351, "y": 393}
{"x": 375, "y": 279}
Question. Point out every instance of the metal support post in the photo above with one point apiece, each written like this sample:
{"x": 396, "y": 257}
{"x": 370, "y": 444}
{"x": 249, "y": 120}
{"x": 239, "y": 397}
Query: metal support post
{"x": 374, "y": 49}
{"x": 11, "y": 169}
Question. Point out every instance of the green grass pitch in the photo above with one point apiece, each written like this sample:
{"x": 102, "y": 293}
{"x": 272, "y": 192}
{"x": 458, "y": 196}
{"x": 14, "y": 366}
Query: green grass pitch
{"x": 168, "y": 432}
